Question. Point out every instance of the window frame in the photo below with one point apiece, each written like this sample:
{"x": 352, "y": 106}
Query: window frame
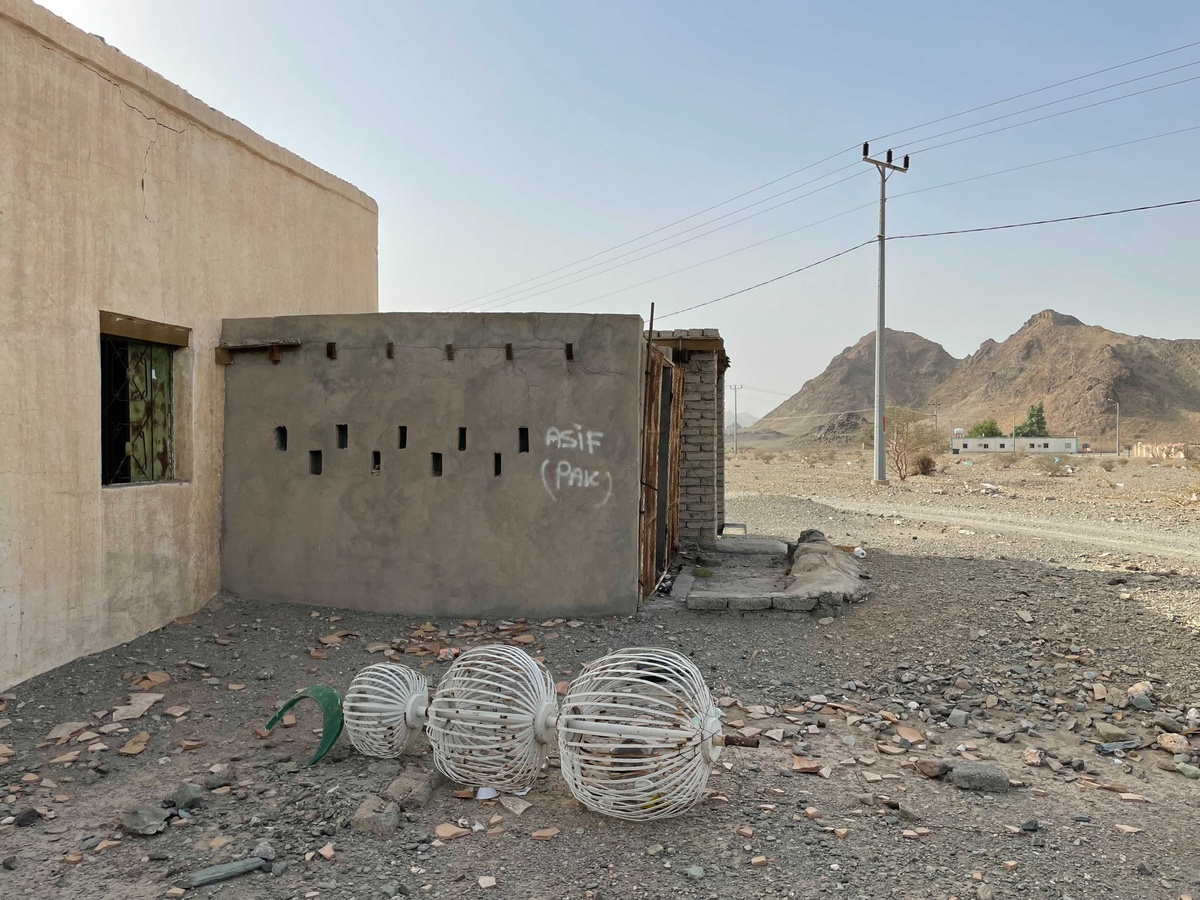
{"x": 121, "y": 382}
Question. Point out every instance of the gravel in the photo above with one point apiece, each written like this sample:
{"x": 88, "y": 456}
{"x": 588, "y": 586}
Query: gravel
{"x": 941, "y": 636}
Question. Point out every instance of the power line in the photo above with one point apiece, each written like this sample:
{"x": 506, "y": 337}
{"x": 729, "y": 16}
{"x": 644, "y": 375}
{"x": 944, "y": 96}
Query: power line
{"x": 1040, "y": 90}
{"x": 898, "y": 237}
{"x": 754, "y": 190}
{"x": 516, "y": 299}
{"x": 716, "y": 258}
{"x": 695, "y": 237}
{"x": 1111, "y": 212}
{"x": 767, "y": 391}
{"x": 514, "y": 296}
{"x": 872, "y": 203}
{"x": 753, "y": 287}
{"x": 1107, "y": 87}
{"x": 1062, "y": 112}
{"x": 1044, "y": 162}
{"x": 832, "y": 156}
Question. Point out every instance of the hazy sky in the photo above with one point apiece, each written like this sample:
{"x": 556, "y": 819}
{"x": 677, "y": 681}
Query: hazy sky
{"x": 503, "y": 140}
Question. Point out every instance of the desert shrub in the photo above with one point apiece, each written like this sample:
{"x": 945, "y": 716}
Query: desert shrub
{"x": 1108, "y": 464}
{"x": 766, "y": 458}
{"x": 1123, "y": 461}
{"x": 910, "y": 436}
{"x": 1008, "y": 460}
{"x": 1051, "y": 466}
{"x": 925, "y": 464}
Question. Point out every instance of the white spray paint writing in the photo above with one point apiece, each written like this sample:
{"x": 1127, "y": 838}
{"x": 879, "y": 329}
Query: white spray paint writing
{"x": 563, "y": 475}
{"x": 573, "y": 438}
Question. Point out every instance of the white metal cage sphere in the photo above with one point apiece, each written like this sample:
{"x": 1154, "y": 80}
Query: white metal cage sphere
{"x": 384, "y": 709}
{"x": 635, "y": 734}
{"x": 491, "y": 718}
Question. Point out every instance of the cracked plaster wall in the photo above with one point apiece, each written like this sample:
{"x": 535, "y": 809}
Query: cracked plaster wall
{"x": 556, "y": 533}
{"x": 119, "y": 191}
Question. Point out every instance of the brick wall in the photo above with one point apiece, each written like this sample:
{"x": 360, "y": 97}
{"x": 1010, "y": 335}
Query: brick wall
{"x": 720, "y": 449}
{"x": 702, "y": 462}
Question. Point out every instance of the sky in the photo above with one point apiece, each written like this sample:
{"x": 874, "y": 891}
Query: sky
{"x": 519, "y": 152}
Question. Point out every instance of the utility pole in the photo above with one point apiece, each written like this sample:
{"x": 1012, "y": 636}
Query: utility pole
{"x": 735, "y": 388}
{"x": 1118, "y": 402}
{"x": 885, "y": 166}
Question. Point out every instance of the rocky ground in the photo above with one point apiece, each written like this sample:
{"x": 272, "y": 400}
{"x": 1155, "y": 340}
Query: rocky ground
{"x": 941, "y": 739}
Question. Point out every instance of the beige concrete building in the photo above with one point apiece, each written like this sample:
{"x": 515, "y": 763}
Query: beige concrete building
{"x": 133, "y": 219}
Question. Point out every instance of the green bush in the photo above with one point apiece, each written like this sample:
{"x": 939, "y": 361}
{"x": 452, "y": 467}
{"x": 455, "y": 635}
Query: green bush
{"x": 987, "y": 428}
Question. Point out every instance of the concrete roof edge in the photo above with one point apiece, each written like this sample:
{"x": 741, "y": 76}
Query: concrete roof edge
{"x": 111, "y": 63}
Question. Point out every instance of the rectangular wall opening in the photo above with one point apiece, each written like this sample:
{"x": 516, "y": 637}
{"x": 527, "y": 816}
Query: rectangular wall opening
{"x": 314, "y": 462}
{"x": 343, "y": 432}
{"x": 280, "y": 437}
{"x": 402, "y": 440}
{"x": 376, "y": 461}
{"x": 136, "y": 426}
{"x": 462, "y": 439}
{"x": 331, "y": 350}
{"x": 508, "y": 351}
{"x": 436, "y": 459}
{"x": 391, "y": 350}
{"x": 495, "y": 465}
{"x": 570, "y": 351}
{"x": 522, "y": 439}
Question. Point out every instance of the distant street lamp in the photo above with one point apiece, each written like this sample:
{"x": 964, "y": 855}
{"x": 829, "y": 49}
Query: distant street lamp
{"x": 1118, "y": 403}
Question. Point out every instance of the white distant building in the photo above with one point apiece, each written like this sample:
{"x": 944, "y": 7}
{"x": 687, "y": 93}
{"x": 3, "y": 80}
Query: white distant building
{"x": 1063, "y": 445}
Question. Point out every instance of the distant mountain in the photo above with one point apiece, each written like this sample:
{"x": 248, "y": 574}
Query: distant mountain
{"x": 834, "y": 405}
{"x": 745, "y": 419}
{"x": 1075, "y": 369}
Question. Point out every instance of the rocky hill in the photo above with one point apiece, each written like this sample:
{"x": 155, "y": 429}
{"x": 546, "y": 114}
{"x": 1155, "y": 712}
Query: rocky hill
{"x": 1072, "y": 367}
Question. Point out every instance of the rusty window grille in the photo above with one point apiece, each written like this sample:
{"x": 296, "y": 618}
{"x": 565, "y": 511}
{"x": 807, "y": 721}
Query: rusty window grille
{"x": 136, "y": 420}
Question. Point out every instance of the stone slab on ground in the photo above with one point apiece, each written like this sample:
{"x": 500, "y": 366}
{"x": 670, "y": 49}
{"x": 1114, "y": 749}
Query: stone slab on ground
{"x": 414, "y": 786}
{"x": 793, "y": 604}
{"x": 822, "y": 571}
{"x": 376, "y": 816}
{"x": 744, "y": 544}
{"x": 979, "y": 776}
{"x": 751, "y": 603}
{"x": 682, "y": 587}
{"x": 707, "y": 601}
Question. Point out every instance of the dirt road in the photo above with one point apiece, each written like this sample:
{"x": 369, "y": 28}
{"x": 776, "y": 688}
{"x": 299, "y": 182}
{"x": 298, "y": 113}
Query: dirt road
{"x": 1118, "y": 536}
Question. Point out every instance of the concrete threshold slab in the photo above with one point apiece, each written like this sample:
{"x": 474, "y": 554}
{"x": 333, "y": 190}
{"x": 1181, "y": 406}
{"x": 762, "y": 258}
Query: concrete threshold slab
{"x": 747, "y": 602}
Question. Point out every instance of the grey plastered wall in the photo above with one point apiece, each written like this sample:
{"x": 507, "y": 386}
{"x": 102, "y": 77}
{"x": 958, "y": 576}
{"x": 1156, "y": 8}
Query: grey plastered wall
{"x": 555, "y": 533}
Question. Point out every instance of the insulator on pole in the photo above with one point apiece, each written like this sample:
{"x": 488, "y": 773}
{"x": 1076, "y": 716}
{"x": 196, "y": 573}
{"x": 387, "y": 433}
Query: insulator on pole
{"x": 906, "y": 160}
{"x": 889, "y": 156}
{"x": 866, "y": 150}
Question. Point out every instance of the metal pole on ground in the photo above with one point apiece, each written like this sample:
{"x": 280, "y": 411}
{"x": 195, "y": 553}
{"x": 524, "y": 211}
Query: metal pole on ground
{"x": 735, "y": 388}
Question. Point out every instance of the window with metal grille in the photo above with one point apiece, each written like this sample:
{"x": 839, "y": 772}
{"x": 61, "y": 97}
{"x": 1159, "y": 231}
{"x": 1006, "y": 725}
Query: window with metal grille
{"x": 136, "y": 420}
